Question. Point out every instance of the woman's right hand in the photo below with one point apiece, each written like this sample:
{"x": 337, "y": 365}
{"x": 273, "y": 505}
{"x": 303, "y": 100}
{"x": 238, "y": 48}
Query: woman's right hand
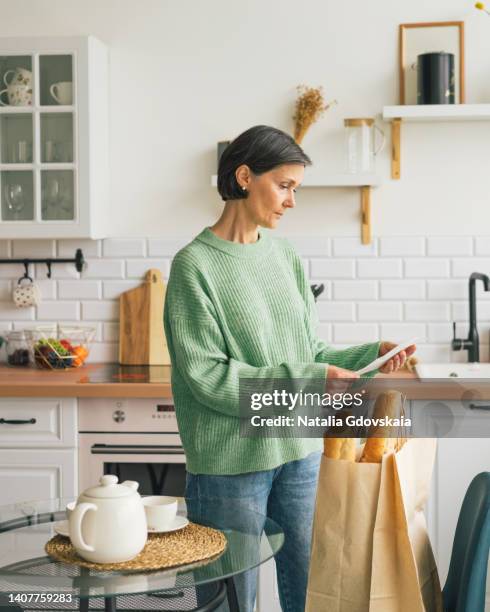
{"x": 339, "y": 379}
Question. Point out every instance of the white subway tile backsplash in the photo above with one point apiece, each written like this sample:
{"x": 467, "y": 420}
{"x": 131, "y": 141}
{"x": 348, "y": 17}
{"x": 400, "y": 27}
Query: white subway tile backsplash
{"x": 426, "y": 311}
{"x": 379, "y": 311}
{"x": 402, "y": 289}
{"x": 482, "y": 245}
{"x": 79, "y": 289}
{"x": 457, "y": 245}
{"x": 112, "y": 289}
{"x": 426, "y": 268}
{"x": 124, "y": 247}
{"x": 398, "y": 332}
{"x": 352, "y": 290}
{"x": 166, "y": 247}
{"x": 332, "y": 268}
{"x": 336, "y": 311}
{"x": 464, "y": 267}
{"x": 440, "y": 332}
{"x": 379, "y": 268}
{"x": 137, "y": 268}
{"x": 104, "y": 352}
{"x": 54, "y": 311}
{"x": 310, "y": 246}
{"x": 352, "y": 247}
{"x": 34, "y": 248}
{"x": 396, "y": 288}
{"x": 100, "y": 311}
{"x": 355, "y": 332}
{"x": 447, "y": 289}
{"x": 5, "y": 248}
{"x": 402, "y": 245}
{"x": 90, "y": 248}
{"x": 111, "y": 332}
{"x": 104, "y": 268}
{"x": 5, "y": 290}
{"x": 9, "y": 312}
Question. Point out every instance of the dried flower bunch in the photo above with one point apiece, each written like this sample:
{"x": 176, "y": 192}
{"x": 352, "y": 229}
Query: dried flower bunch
{"x": 481, "y": 7}
{"x": 310, "y": 106}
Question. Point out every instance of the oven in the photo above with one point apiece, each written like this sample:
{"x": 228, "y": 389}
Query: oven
{"x": 134, "y": 439}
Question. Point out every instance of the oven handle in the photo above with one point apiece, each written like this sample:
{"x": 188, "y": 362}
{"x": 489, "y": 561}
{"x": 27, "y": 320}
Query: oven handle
{"x": 116, "y": 449}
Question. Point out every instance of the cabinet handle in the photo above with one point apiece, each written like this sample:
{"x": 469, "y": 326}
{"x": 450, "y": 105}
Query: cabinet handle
{"x": 17, "y": 421}
{"x": 476, "y": 407}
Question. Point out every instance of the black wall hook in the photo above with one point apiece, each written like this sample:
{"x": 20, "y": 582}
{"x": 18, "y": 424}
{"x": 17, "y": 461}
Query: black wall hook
{"x": 78, "y": 260}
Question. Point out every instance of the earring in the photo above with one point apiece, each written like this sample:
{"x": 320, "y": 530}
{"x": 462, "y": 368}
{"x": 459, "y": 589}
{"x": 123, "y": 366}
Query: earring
{"x": 244, "y": 188}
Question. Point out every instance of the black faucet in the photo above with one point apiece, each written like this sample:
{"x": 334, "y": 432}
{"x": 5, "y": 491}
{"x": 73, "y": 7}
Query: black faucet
{"x": 472, "y": 343}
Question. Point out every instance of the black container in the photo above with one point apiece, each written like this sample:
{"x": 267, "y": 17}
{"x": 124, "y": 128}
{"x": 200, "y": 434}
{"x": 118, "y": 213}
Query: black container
{"x": 435, "y": 78}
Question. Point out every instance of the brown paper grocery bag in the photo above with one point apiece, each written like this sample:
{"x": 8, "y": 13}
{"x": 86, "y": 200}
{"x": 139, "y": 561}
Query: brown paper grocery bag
{"x": 370, "y": 549}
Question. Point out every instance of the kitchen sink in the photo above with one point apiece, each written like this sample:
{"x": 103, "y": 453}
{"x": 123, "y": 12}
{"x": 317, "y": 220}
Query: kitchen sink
{"x": 453, "y": 370}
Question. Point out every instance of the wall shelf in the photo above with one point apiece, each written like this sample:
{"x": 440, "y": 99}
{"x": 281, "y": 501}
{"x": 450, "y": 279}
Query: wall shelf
{"x": 364, "y": 182}
{"x": 425, "y": 113}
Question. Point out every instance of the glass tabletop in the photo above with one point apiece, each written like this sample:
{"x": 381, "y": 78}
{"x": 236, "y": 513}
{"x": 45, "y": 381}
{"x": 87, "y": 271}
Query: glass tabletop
{"x": 25, "y": 528}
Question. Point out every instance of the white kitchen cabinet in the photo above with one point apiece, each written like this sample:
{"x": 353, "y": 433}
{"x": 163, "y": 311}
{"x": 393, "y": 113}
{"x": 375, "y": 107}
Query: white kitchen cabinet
{"x": 267, "y": 591}
{"x": 54, "y": 171}
{"x": 458, "y": 461}
{"x": 30, "y": 474}
{"x": 38, "y": 455}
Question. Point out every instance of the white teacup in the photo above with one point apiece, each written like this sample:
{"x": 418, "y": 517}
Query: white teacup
{"x": 62, "y": 92}
{"x": 161, "y": 511}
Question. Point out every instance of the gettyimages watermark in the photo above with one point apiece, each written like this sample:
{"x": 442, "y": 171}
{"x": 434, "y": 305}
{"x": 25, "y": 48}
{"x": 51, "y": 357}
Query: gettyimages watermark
{"x": 362, "y": 408}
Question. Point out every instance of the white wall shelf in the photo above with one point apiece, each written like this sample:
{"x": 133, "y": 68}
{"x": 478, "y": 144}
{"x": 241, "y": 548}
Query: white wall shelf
{"x": 363, "y": 182}
{"x": 427, "y": 113}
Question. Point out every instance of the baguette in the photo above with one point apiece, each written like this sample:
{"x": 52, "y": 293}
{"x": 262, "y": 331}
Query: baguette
{"x": 379, "y": 442}
{"x": 340, "y": 448}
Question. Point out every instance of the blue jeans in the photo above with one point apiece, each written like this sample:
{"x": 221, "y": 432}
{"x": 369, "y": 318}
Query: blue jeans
{"x": 286, "y": 494}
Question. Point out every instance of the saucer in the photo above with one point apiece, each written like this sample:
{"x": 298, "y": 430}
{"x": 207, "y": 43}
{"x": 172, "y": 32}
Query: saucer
{"x": 179, "y": 522}
{"x": 61, "y": 527}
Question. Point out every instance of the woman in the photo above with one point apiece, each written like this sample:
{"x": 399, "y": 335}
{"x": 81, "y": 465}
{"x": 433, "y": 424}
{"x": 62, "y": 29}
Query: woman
{"x": 238, "y": 304}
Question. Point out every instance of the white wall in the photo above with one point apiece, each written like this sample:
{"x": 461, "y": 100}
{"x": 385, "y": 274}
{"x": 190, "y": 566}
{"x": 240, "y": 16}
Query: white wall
{"x": 187, "y": 73}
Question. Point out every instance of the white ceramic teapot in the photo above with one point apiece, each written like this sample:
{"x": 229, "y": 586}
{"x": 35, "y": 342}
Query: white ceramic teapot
{"x": 108, "y": 523}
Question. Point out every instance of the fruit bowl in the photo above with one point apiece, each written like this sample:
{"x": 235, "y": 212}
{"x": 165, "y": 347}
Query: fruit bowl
{"x": 60, "y": 347}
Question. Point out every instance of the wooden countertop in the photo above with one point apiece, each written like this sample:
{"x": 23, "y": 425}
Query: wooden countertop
{"x": 31, "y": 382}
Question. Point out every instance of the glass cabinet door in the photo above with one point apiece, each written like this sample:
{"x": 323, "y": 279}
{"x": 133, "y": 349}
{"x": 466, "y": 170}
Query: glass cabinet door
{"x": 56, "y": 138}
{"x": 56, "y": 80}
{"x": 16, "y": 80}
{"x": 16, "y": 138}
{"x": 17, "y": 195}
{"x": 57, "y": 195}
{"x": 41, "y": 138}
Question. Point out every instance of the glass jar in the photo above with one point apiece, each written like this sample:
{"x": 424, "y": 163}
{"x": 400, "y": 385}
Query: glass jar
{"x": 17, "y": 346}
{"x": 360, "y": 141}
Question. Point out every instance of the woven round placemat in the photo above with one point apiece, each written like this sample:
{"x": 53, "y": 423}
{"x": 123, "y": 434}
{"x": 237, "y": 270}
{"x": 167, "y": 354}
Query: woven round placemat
{"x": 192, "y": 543}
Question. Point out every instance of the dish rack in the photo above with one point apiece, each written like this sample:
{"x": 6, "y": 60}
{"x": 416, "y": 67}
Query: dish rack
{"x": 60, "y": 347}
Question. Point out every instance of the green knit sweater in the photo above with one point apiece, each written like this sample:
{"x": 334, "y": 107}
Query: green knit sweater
{"x": 241, "y": 310}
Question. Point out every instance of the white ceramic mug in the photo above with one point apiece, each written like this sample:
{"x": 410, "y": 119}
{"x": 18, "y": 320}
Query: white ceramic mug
{"x": 21, "y": 76}
{"x": 62, "y": 92}
{"x": 17, "y": 95}
{"x": 161, "y": 511}
{"x": 26, "y": 295}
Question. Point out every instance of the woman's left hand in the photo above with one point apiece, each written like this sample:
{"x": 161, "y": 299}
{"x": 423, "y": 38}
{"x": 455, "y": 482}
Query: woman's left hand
{"x": 398, "y": 361}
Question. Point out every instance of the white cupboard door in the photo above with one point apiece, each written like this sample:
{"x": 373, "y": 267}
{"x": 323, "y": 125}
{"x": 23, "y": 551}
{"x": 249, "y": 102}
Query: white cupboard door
{"x": 35, "y": 474}
{"x": 31, "y": 422}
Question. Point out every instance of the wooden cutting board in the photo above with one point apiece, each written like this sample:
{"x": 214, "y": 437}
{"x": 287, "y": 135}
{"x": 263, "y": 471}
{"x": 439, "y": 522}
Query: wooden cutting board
{"x": 141, "y": 333}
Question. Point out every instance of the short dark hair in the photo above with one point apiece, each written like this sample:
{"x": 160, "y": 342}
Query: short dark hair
{"x": 261, "y": 148}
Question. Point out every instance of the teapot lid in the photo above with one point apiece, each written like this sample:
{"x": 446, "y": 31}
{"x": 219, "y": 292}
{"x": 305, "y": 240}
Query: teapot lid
{"x": 109, "y": 488}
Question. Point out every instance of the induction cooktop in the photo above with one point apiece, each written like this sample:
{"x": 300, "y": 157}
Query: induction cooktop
{"x": 115, "y": 373}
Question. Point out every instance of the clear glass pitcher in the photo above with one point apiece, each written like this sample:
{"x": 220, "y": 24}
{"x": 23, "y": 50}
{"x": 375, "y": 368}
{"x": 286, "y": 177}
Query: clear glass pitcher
{"x": 361, "y": 145}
